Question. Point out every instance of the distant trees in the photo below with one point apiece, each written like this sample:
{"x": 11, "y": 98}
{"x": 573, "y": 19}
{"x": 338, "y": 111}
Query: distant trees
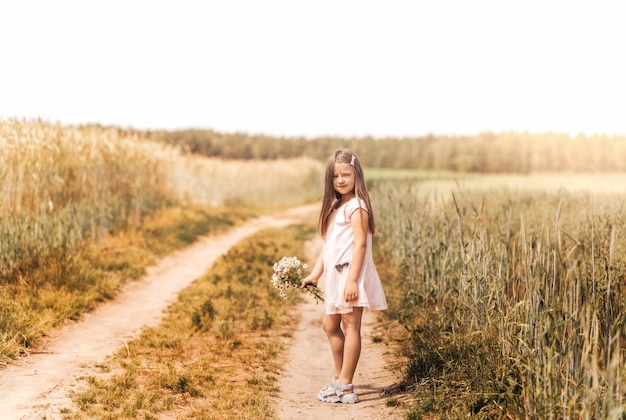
{"x": 516, "y": 152}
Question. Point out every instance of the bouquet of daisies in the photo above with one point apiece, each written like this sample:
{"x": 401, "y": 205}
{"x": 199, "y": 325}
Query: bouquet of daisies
{"x": 288, "y": 274}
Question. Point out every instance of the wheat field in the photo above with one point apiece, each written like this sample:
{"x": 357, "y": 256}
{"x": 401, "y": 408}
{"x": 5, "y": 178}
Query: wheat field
{"x": 62, "y": 185}
{"x": 512, "y": 299}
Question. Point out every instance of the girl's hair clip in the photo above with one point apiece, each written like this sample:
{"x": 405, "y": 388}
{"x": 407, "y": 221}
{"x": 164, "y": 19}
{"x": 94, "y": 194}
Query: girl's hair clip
{"x": 352, "y": 161}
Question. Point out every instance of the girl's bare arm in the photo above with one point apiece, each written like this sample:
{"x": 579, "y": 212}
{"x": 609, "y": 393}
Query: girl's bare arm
{"x": 316, "y": 273}
{"x": 359, "y": 221}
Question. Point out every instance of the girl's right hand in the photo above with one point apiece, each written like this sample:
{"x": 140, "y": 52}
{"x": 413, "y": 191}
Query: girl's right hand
{"x": 308, "y": 280}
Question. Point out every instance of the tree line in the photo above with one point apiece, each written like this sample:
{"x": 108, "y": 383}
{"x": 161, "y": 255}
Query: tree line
{"x": 506, "y": 152}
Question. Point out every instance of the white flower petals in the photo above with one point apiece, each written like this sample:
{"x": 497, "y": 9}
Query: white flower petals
{"x": 288, "y": 274}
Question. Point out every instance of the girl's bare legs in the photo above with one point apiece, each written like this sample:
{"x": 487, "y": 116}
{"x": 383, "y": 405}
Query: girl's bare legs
{"x": 331, "y": 324}
{"x": 352, "y": 345}
{"x": 345, "y": 344}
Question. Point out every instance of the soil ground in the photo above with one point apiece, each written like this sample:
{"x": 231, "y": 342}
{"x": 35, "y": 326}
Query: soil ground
{"x": 37, "y": 385}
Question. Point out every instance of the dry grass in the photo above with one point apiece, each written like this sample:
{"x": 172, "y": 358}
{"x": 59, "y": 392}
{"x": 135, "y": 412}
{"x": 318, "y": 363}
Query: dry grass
{"x": 208, "y": 181}
{"x": 216, "y": 354}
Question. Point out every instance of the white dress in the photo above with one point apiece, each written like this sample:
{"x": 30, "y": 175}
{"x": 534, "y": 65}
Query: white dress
{"x": 338, "y": 249}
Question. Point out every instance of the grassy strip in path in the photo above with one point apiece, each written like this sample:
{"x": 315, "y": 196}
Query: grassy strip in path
{"x": 215, "y": 355}
{"x": 67, "y": 283}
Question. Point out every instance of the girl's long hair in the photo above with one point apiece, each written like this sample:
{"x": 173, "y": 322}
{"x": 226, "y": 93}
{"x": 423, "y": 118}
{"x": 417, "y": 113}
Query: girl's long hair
{"x": 331, "y": 196}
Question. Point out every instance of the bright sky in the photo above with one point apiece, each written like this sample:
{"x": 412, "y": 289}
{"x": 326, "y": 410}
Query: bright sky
{"x": 318, "y": 67}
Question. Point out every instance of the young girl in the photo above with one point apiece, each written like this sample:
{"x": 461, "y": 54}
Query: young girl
{"x": 346, "y": 223}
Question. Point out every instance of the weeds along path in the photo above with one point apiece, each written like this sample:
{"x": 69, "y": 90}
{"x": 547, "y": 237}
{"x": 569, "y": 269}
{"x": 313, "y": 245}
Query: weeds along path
{"x": 308, "y": 368}
{"x": 37, "y": 385}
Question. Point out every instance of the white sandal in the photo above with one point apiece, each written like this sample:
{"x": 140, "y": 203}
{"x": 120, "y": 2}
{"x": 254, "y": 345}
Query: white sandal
{"x": 327, "y": 391}
{"x": 335, "y": 393}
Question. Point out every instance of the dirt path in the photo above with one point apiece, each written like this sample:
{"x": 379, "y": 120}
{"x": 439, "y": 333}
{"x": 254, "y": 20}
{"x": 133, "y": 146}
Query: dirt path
{"x": 36, "y": 386}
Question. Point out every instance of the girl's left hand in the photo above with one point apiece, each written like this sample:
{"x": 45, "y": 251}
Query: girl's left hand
{"x": 351, "y": 292}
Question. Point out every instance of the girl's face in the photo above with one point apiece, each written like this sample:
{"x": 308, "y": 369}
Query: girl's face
{"x": 343, "y": 178}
